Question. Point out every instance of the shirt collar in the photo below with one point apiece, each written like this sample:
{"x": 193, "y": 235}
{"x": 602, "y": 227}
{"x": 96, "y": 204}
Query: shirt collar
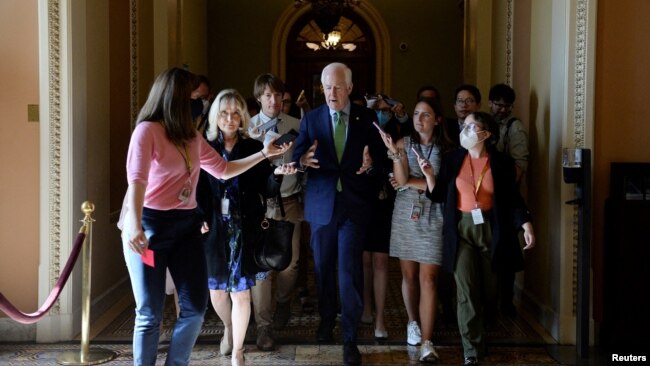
{"x": 345, "y": 110}
{"x": 264, "y": 118}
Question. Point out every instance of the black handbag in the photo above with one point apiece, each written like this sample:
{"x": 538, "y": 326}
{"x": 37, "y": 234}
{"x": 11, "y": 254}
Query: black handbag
{"x": 274, "y": 250}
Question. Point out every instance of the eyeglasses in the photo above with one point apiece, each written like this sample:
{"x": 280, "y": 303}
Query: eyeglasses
{"x": 286, "y": 101}
{"x": 226, "y": 115}
{"x": 472, "y": 127}
{"x": 502, "y": 105}
{"x": 466, "y": 101}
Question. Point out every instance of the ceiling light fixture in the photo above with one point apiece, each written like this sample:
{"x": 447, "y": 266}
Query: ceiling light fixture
{"x": 327, "y": 13}
{"x": 327, "y": 16}
{"x": 332, "y": 39}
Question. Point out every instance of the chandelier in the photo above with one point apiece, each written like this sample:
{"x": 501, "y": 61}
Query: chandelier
{"x": 327, "y": 15}
{"x": 331, "y": 42}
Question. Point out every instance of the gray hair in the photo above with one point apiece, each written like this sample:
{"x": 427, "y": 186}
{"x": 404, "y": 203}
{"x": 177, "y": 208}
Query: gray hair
{"x": 335, "y": 66}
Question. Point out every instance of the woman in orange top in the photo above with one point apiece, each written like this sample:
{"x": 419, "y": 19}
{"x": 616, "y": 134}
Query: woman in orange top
{"x": 482, "y": 210}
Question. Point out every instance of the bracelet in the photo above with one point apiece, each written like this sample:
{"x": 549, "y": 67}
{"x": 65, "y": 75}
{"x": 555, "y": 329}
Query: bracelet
{"x": 263, "y": 154}
{"x": 394, "y": 156}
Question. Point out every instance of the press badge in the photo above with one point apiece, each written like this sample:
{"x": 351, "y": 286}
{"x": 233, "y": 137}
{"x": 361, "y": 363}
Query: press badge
{"x": 225, "y": 206}
{"x": 416, "y": 211}
{"x": 477, "y": 216}
{"x": 186, "y": 192}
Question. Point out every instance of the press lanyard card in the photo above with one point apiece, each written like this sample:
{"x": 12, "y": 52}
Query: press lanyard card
{"x": 225, "y": 206}
{"x": 477, "y": 216}
{"x": 186, "y": 192}
{"x": 416, "y": 211}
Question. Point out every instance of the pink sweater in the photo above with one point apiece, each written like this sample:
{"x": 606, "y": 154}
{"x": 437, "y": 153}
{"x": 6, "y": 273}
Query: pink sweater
{"x": 156, "y": 163}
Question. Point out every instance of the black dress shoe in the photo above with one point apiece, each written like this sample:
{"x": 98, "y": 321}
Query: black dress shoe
{"x": 351, "y": 354}
{"x": 325, "y": 332}
{"x": 470, "y": 361}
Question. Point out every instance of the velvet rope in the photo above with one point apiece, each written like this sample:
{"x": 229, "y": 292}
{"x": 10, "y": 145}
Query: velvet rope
{"x": 24, "y": 318}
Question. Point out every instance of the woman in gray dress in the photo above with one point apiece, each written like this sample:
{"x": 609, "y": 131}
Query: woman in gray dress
{"x": 416, "y": 234}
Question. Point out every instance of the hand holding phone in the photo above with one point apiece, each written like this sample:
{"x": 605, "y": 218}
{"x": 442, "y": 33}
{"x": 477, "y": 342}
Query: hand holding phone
{"x": 417, "y": 154}
{"x": 424, "y": 164}
{"x": 286, "y": 138}
{"x": 385, "y": 137}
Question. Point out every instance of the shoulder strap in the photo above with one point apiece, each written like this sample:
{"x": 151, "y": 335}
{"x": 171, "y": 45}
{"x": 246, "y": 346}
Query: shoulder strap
{"x": 280, "y": 203}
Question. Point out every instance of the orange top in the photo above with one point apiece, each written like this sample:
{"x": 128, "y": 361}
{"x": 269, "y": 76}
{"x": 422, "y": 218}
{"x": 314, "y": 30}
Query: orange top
{"x": 475, "y": 174}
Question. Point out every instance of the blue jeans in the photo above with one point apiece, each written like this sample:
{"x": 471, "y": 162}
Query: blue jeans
{"x": 175, "y": 238}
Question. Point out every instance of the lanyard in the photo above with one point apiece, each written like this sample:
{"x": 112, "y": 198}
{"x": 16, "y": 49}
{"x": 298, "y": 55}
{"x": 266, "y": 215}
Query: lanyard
{"x": 477, "y": 185}
{"x": 186, "y": 158}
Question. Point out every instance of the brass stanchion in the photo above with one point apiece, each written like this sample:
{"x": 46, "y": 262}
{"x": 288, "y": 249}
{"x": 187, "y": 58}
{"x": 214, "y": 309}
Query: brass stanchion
{"x": 86, "y": 356}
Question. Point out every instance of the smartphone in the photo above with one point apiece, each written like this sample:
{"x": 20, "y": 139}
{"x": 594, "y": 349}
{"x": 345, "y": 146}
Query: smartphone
{"x": 391, "y": 102}
{"x": 417, "y": 154}
{"x": 286, "y": 138}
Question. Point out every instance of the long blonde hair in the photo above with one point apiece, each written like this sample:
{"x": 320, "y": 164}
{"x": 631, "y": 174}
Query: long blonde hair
{"x": 227, "y": 96}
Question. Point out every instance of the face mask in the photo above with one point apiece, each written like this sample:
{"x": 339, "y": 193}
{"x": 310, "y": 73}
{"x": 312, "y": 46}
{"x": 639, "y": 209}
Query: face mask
{"x": 383, "y": 117}
{"x": 468, "y": 138}
{"x": 197, "y": 107}
{"x": 206, "y": 105}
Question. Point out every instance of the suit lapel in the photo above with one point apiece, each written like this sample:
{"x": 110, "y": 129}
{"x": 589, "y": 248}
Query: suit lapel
{"x": 353, "y": 129}
{"x": 327, "y": 134}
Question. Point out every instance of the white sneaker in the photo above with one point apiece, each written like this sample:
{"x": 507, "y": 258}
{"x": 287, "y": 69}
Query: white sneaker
{"x": 413, "y": 335}
{"x": 428, "y": 353}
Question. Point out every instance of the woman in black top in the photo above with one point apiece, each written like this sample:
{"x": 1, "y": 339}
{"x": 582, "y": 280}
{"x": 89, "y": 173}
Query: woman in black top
{"x": 234, "y": 210}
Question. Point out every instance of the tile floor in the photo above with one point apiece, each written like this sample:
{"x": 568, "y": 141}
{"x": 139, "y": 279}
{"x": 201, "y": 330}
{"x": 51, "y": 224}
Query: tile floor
{"x": 313, "y": 355}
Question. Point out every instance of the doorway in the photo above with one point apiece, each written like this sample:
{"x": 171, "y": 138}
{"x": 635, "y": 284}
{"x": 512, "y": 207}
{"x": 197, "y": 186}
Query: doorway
{"x": 307, "y": 53}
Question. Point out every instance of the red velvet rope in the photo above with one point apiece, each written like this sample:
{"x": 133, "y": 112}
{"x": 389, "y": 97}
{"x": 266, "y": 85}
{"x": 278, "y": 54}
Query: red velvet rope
{"x": 24, "y": 318}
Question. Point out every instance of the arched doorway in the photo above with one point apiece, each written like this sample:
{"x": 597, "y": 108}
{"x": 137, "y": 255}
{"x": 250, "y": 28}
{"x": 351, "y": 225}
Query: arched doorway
{"x": 365, "y": 15}
{"x": 307, "y": 53}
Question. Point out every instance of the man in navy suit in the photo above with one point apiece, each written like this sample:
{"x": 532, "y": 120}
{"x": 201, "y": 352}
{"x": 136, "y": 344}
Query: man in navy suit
{"x": 341, "y": 150}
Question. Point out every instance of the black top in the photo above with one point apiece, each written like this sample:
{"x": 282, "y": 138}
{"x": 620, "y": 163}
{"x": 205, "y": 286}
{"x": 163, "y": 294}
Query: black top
{"x": 253, "y": 187}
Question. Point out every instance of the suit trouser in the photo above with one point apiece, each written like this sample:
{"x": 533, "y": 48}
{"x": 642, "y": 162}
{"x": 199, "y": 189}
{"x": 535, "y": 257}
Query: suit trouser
{"x": 285, "y": 281}
{"x": 476, "y": 283}
{"x": 339, "y": 242}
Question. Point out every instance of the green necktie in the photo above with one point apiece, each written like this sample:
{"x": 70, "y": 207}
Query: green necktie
{"x": 339, "y": 141}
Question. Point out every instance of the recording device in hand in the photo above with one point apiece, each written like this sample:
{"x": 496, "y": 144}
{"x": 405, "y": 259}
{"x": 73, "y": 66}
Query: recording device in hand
{"x": 286, "y": 138}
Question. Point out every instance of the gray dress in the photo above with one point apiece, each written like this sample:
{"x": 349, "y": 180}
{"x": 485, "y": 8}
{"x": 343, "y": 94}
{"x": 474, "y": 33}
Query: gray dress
{"x": 417, "y": 240}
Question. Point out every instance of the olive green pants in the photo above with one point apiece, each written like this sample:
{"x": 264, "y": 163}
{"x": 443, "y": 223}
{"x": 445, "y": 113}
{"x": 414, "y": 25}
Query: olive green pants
{"x": 476, "y": 284}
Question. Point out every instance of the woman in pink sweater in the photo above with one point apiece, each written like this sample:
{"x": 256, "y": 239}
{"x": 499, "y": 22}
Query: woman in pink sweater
{"x": 162, "y": 226}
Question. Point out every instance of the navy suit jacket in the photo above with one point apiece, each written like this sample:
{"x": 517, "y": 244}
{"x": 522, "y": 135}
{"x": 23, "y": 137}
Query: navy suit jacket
{"x": 359, "y": 190}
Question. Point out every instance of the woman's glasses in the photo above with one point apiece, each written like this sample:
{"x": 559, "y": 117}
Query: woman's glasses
{"x": 226, "y": 115}
{"x": 472, "y": 127}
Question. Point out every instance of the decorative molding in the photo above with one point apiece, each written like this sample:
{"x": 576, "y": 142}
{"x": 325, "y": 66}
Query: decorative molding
{"x": 580, "y": 73}
{"x": 579, "y": 119}
{"x": 133, "y": 38}
{"x": 509, "y": 26}
{"x": 54, "y": 142}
